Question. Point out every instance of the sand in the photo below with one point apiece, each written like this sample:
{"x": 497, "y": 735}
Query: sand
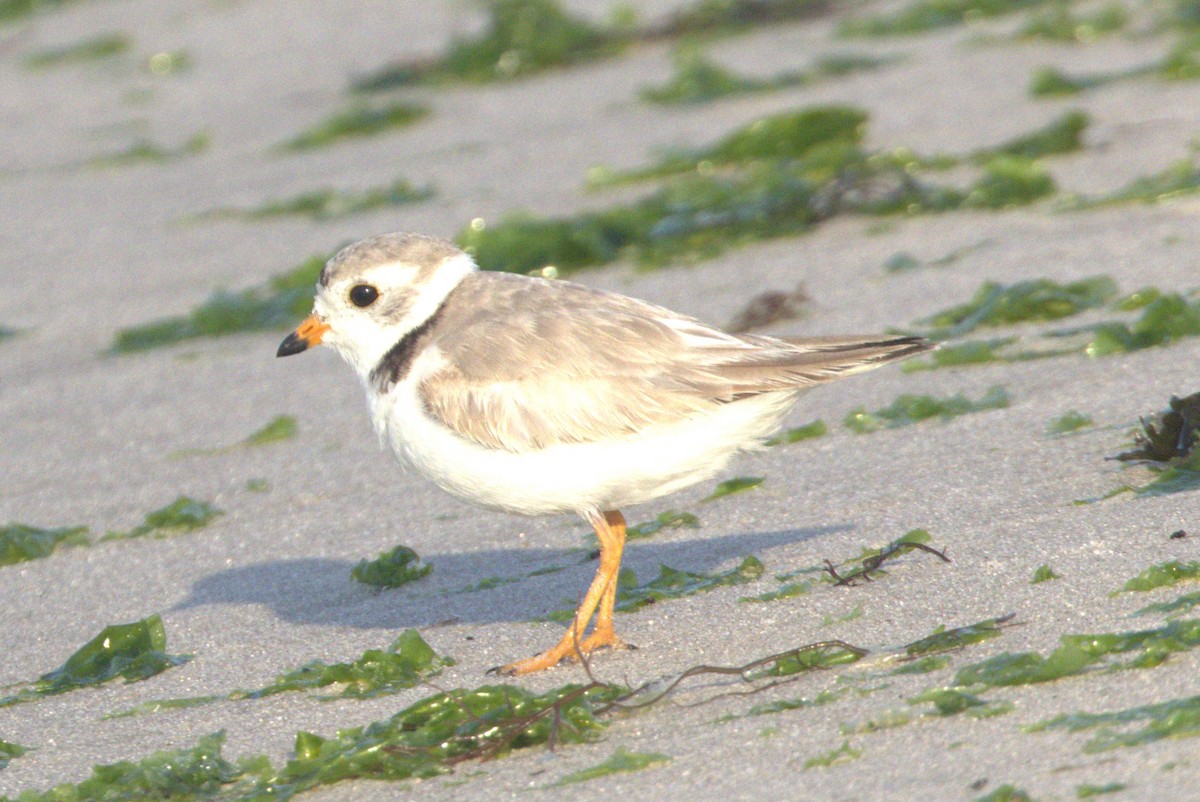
{"x": 93, "y": 439}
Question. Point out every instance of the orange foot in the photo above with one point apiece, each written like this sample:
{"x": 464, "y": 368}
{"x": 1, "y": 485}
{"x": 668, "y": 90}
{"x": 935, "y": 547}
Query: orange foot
{"x": 610, "y": 528}
{"x": 563, "y": 651}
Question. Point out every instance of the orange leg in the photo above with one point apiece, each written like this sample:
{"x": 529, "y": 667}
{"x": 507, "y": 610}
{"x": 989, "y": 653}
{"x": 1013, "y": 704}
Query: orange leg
{"x": 603, "y": 633}
{"x": 602, "y": 593}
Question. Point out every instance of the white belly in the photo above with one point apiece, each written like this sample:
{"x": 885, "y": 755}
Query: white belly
{"x": 574, "y": 477}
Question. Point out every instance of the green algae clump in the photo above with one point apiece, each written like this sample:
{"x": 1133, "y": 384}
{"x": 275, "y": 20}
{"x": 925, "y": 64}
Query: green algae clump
{"x": 1163, "y": 575}
{"x": 908, "y": 409}
{"x": 408, "y": 662}
{"x": 997, "y": 304}
{"x": 184, "y": 514}
{"x": 20, "y": 542}
{"x": 391, "y": 569}
{"x": 621, "y": 761}
{"x": 280, "y": 302}
{"x": 134, "y": 652}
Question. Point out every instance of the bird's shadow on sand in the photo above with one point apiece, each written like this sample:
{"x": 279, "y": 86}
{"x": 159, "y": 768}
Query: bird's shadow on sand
{"x": 321, "y": 591}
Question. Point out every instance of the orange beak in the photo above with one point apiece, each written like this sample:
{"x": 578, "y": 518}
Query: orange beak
{"x": 306, "y": 335}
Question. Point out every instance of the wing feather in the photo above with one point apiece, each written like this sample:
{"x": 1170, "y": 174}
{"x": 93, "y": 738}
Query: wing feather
{"x": 527, "y": 364}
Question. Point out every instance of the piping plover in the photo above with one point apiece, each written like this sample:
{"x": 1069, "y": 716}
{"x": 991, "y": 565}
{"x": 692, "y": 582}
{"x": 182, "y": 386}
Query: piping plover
{"x": 535, "y": 396}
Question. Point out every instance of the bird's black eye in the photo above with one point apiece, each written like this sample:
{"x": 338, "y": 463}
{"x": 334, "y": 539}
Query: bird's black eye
{"x": 363, "y": 294}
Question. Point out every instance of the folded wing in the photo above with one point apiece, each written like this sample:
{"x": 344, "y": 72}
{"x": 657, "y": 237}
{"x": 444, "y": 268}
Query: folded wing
{"x": 531, "y": 364}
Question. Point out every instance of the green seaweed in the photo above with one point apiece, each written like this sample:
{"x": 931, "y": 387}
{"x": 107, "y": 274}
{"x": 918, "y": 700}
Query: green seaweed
{"x": 16, "y": 9}
{"x": 94, "y": 48}
{"x": 432, "y": 735}
{"x": 1043, "y": 573}
{"x": 944, "y": 640}
{"x": 1138, "y": 299}
{"x": 1182, "y": 475}
{"x": 489, "y": 582}
{"x": 1087, "y": 791}
{"x": 1027, "y": 668}
{"x": 408, "y": 662}
{"x": 671, "y": 519}
{"x": 887, "y": 720}
{"x": 807, "y": 132}
{"x": 329, "y": 204}
{"x": 926, "y": 15}
{"x": 738, "y": 484}
{"x": 1079, "y": 654}
{"x": 800, "y": 661}
{"x": 783, "y": 705}
{"x": 1069, "y": 421}
{"x": 1162, "y": 575}
{"x": 843, "y": 754}
{"x": 1164, "y": 320}
{"x": 831, "y": 620}
{"x": 356, "y": 122}
{"x": 1177, "y": 718}
{"x": 787, "y": 591}
{"x": 696, "y": 216}
{"x": 950, "y": 701}
{"x": 159, "y": 705}
{"x": 1180, "y": 179}
{"x": 1032, "y": 300}
{"x": 280, "y": 302}
{"x": 1053, "y": 82}
{"x": 20, "y": 542}
{"x": 522, "y": 37}
{"x": 1182, "y": 62}
{"x": 134, "y": 652}
{"x": 1010, "y": 181}
{"x": 185, "y": 774}
{"x": 908, "y": 409}
{"x": 391, "y": 569}
{"x": 672, "y": 583}
{"x": 281, "y": 427}
{"x": 925, "y": 665}
{"x": 621, "y": 761}
{"x": 975, "y": 352}
{"x": 1060, "y": 23}
{"x": 697, "y": 79}
{"x": 8, "y": 751}
{"x": 1062, "y": 135}
{"x": 1184, "y": 604}
{"x": 1006, "y": 793}
{"x": 717, "y": 16}
{"x": 806, "y": 432}
{"x": 144, "y": 151}
{"x": 777, "y": 176}
{"x": 184, "y": 514}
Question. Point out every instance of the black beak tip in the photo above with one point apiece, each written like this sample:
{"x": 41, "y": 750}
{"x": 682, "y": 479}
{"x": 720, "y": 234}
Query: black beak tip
{"x": 292, "y": 344}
